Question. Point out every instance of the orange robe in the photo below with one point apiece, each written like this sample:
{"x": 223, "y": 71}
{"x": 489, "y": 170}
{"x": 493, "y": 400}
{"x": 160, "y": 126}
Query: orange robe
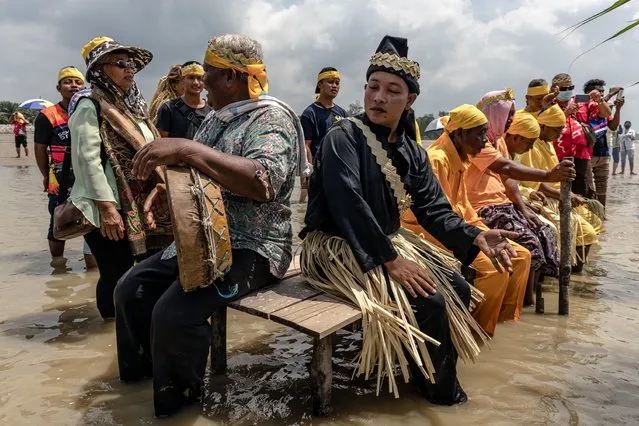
{"x": 504, "y": 293}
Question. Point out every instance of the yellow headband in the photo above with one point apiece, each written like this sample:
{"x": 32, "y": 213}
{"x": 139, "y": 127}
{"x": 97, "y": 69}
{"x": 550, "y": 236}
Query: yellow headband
{"x": 70, "y": 72}
{"x": 257, "y": 82}
{"x": 465, "y": 117}
{"x": 193, "y": 69}
{"x": 537, "y": 91}
{"x": 328, "y": 74}
{"x": 524, "y": 124}
{"x": 552, "y": 117}
{"x": 92, "y": 45}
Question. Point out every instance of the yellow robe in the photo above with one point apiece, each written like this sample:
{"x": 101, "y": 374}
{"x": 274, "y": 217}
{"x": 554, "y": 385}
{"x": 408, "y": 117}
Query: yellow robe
{"x": 504, "y": 293}
{"x": 588, "y": 226}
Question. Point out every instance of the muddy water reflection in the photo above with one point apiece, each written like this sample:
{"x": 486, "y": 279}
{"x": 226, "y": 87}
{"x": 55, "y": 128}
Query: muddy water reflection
{"x": 57, "y": 358}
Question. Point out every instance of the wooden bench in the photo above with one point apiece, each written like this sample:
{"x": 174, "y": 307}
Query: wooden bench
{"x": 293, "y": 303}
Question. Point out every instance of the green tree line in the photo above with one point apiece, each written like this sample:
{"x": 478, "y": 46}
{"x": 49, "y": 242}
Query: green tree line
{"x": 7, "y": 108}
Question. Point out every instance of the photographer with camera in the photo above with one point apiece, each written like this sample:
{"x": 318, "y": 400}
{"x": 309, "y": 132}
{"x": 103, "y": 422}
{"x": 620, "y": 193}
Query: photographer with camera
{"x": 600, "y": 119}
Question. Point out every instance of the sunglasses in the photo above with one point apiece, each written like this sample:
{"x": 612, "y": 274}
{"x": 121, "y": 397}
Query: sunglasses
{"x": 124, "y": 64}
{"x": 567, "y": 88}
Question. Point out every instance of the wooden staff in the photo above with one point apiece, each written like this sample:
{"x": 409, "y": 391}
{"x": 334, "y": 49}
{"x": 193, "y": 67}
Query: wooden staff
{"x": 539, "y": 298}
{"x": 565, "y": 261}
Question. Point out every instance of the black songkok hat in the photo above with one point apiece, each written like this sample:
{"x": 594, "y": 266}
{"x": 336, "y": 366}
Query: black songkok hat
{"x": 392, "y": 56}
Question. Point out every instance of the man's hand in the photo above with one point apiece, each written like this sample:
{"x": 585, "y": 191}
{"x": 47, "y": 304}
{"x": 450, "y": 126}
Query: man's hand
{"x": 562, "y": 172}
{"x": 532, "y": 219}
{"x": 550, "y": 97}
{"x": 595, "y": 95}
{"x": 411, "y": 276}
{"x": 571, "y": 108}
{"x": 160, "y": 152}
{"x": 159, "y": 189}
{"x": 495, "y": 245}
{"x": 111, "y": 224}
{"x": 613, "y": 91}
{"x": 540, "y": 197}
{"x": 619, "y": 103}
{"x": 577, "y": 200}
{"x": 45, "y": 183}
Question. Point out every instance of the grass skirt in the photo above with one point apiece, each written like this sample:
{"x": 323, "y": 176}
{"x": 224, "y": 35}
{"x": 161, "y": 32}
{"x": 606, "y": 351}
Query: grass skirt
{"x": 388, "y": 321}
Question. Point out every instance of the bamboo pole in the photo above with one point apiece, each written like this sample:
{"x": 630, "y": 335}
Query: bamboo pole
{"x": 565, "y": 261}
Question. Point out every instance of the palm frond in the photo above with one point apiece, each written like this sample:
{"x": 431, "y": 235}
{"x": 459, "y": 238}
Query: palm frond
{"x": 578, "y": 25}
{"x": 632, "y": 24}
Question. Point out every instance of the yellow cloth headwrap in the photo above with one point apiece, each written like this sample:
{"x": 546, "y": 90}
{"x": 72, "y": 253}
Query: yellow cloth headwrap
{"x": 193, "y": 69}
{"x": 87, "y": 48}
{"x": 328, "y": 74}
{"x": 70, "y": 72}
{"x": 465, "y": 117}
{"x": 257, "y": 82}
{"x": 17, "y": 116}
{"x": 524, "y": 124}
{"x": 538, "y": 90}
{"x": 552, "y": 117}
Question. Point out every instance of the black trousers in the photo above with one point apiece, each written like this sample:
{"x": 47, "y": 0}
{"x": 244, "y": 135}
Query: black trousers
{"x": 114, "y": 258}
{"x": 164, "y": 331}
{"x": 432, "y": 318}
{"x": 580, "y": 184}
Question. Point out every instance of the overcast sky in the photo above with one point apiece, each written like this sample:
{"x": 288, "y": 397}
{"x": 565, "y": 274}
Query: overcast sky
{"x": 465, "y": 48}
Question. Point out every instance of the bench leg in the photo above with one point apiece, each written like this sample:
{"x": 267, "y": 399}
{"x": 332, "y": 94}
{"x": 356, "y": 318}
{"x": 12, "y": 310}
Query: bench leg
{"x": 321, "y": 372}
{"x": 218, "y": 341}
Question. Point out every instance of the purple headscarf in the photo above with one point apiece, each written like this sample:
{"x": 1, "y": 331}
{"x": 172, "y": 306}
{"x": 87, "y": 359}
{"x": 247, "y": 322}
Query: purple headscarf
{"x": 496, "y": 106}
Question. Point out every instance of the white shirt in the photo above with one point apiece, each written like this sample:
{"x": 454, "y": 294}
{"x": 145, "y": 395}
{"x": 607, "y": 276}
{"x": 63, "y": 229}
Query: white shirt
{"x": 627, "y": 139}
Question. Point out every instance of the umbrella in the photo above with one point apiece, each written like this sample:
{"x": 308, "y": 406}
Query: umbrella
{"x": 434, "y": 129}
{"x": 435, "y": 125}
{"x": 36, "y": 104}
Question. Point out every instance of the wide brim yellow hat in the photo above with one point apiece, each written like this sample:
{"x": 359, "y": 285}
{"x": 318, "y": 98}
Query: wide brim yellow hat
{"x": 100, "y": 46}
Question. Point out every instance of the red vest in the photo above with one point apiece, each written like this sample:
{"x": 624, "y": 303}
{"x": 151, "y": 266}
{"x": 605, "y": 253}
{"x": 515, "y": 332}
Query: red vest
{"x": 60, "y": 142}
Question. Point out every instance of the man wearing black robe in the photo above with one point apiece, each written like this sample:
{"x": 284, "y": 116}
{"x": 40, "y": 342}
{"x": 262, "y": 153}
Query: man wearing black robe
{"x": 351, "y": 198}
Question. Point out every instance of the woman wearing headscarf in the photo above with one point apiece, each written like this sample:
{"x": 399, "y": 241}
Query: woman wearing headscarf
{"x": 108, "y": 124}
{"x": 168, "y": 88}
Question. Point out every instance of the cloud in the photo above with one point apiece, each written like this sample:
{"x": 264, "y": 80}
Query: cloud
{"x": 465, "y": 48}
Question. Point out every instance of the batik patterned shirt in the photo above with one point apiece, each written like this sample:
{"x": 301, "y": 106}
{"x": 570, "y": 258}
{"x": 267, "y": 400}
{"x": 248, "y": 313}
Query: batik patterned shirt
{"x": 266, "y": 135}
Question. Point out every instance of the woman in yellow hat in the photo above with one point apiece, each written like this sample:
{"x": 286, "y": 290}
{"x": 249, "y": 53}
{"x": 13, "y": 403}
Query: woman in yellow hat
{"x": 108, "y": 124}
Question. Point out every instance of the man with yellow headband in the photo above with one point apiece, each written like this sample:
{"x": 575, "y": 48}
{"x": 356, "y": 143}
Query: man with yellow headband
{"x": 319, "y": 116}
{"x": 52, "y": 141}
{"x": 538, "y": 96}
{"x": 464, "y": 136}
{"x": 586, "y": 226}
{"x": 251, "y": 147}
{"x": 182, "y": 116}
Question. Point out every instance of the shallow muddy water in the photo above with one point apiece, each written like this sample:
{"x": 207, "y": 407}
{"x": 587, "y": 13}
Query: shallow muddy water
{"x": 58, "y": 365}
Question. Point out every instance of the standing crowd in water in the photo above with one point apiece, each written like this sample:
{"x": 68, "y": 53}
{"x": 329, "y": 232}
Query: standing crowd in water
{"x": 486, "y": 193}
